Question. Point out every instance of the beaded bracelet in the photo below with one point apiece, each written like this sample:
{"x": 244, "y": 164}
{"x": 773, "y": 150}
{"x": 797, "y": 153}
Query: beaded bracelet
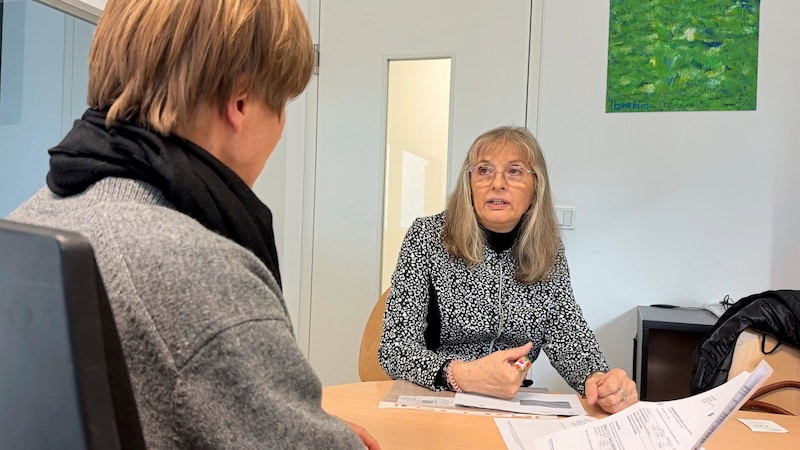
{"x": 451, "y": 381}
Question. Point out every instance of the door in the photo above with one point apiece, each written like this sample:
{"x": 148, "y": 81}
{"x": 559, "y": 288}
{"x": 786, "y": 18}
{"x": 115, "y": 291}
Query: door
{"x": 488, "y": 47}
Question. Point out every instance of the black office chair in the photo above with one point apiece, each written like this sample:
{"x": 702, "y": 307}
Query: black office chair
{"x": 63, "y": 379}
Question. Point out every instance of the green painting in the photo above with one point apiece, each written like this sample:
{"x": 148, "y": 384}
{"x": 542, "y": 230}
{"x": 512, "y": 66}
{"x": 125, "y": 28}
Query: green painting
{"x": 673, "y": 55}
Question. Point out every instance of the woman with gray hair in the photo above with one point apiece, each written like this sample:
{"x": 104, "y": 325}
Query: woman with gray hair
{"x": 481, "y": 288}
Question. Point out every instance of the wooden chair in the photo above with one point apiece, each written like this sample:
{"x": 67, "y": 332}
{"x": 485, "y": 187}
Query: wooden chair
{"x": 369, "y": 369}
{"x": 781, "y": 392}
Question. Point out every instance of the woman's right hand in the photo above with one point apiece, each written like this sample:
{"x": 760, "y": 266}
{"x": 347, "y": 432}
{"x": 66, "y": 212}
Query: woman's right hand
{"x": 494, "y": 374}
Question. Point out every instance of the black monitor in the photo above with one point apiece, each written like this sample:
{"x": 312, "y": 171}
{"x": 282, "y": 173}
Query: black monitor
{"x": 56, "y": 336}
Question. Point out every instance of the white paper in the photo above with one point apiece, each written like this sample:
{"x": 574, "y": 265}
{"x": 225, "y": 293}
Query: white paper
{"x": 406, "y": 395}
{"x": 763, "y": 426}
{"x": 527, "y": 402}
{"x": 673, "y": 425}
{"x": 422, "y": 400}
{"x": 519, "y": 434}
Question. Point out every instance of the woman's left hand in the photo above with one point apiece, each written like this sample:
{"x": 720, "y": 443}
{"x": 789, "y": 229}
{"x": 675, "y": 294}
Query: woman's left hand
{"x": 612, "y": 391}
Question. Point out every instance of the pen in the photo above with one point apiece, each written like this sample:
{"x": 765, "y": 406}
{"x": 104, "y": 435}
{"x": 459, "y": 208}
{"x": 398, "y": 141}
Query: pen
{"x": 522, "y": 364}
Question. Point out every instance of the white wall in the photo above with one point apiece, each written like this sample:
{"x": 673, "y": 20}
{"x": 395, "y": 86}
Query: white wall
{"x": 284, "y": 186}
{"x": 674, "y": 207}
{"x": 781, "y": 65}
{"x": 280, "y": 187}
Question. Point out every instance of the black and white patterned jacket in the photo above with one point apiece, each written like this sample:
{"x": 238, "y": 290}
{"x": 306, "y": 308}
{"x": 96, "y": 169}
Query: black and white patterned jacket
{"x": 480, "y": 308}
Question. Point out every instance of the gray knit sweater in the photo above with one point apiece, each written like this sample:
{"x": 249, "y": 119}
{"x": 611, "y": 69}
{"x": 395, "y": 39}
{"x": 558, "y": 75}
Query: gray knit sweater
{"x": 205, "y": 331}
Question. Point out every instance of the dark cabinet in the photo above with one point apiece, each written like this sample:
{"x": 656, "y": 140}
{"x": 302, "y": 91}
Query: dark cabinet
{"x": 662, "y": 359}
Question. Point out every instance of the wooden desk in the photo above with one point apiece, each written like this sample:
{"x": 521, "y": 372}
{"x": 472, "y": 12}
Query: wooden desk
{"x": 405, "y": 428}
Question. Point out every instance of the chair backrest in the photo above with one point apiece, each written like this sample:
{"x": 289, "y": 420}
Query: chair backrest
{"x": 753, "y": 346}
{"x": 63, "y": 379}
{"x": 369, "y": 369}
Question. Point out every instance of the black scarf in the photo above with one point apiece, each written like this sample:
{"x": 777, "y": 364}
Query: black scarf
{"x": 193, "y": 180}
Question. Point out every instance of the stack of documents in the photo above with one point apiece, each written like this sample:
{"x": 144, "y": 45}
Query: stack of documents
{"x": 672, "y": 425}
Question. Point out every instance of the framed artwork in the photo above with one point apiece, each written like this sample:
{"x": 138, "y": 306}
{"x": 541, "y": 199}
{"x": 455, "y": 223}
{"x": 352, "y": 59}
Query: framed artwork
{"x": 700, "y": 55}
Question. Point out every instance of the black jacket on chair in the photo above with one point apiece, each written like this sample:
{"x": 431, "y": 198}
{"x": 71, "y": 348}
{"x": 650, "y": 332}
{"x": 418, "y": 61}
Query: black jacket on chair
{"x": 776, "y": 313}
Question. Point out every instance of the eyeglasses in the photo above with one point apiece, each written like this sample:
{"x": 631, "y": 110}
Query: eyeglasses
{"x": 483, "y": 173}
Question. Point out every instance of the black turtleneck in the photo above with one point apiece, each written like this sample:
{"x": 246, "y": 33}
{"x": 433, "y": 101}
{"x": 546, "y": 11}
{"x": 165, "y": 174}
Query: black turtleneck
{"x": 501, "y": 241}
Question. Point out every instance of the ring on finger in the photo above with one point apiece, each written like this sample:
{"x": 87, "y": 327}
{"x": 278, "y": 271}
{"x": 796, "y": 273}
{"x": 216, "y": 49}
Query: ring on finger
{"x": 624, "y": 395}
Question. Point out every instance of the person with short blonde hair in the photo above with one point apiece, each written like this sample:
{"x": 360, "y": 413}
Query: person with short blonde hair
{"x": 186, "y": 104}
{"x": 481, "y": 288}
{"x": 158, "y": 63}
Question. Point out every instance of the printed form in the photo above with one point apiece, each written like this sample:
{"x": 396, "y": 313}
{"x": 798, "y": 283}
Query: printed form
{"x": 672, "y": 425}
{"x": 527, "y": 402}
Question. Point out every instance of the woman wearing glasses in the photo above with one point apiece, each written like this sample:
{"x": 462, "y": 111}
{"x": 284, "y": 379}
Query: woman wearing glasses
{"x": 484, "y": 286}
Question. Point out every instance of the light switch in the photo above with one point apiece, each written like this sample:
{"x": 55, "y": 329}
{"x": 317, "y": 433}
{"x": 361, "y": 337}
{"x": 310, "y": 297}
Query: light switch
{"x": 565, "y": 216}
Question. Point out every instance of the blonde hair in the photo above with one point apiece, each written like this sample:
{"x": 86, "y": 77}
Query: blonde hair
{"x": 537, "y": 244}
{"x": 157, "y": 62}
